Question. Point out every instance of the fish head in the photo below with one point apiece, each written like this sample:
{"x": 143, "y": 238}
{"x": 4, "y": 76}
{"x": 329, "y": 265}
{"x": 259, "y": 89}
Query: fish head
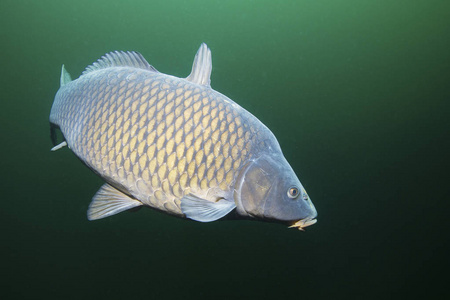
{"x": 268, "y": 189}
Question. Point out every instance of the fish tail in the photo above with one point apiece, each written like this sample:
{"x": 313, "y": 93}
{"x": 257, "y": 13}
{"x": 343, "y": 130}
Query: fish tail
{"x": 53, "y": 135}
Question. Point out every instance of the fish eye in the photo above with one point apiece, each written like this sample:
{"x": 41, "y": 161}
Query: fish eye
{"x": 292, "y": 192}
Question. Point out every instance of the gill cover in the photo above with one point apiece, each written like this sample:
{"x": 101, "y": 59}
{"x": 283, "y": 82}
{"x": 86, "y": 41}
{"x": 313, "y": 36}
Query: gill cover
{"x": 262, "y": 191}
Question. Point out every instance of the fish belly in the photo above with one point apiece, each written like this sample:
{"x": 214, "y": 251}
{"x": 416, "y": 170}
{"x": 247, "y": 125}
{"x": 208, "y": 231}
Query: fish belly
{"x": 156, "y": 137}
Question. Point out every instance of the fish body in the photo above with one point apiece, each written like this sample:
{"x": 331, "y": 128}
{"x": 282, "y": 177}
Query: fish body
{"x": 173, "y": 144}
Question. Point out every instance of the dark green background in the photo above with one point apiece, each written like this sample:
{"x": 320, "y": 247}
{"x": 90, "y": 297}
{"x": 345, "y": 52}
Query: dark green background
{"x": 356, "y": 91}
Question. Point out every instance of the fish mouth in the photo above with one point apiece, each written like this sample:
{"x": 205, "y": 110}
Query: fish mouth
{"x": 301, "y": 224}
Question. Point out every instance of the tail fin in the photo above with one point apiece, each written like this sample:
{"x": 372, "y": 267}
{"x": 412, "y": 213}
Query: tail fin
{"x": 54, "y": 138}
{"x": 65, "y": 76}
{"x": 53, "y": 135}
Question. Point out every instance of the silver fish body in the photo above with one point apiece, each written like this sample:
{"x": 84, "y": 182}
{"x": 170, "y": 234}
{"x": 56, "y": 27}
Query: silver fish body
{"x": 170, "y": 143}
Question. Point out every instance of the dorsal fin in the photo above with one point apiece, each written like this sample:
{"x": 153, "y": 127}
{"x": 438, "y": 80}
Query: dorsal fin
{"x": 201, "y": 68}
{"x": 120, "y": 59}
{"x": 65, "y": 77}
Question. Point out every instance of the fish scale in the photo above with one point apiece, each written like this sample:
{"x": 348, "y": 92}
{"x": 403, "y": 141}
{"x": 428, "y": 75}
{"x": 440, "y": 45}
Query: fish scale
{"x": 174, "y": 144}
{"x": 157, "y": 143}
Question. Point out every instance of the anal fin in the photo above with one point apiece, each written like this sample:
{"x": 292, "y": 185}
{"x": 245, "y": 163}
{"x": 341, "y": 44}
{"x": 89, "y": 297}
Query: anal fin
{"x": 203, "y": 210}
{"x": 109, "y": 201}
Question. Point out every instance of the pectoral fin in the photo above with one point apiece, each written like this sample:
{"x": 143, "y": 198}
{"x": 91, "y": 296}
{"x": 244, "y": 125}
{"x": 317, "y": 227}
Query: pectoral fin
{"x": 202, "y": 210}
{"x": 109, "y": 201}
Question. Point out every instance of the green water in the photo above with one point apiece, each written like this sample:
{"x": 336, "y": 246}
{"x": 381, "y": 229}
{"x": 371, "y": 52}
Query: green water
{"x": 357, "y": 93}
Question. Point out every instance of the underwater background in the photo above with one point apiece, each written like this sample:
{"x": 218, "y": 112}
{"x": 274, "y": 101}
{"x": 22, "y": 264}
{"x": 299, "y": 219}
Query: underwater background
{"x": 357, "y": 93}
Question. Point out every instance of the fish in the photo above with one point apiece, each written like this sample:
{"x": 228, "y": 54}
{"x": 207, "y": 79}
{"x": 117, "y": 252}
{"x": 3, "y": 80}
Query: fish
{"x": 174, "y": 144}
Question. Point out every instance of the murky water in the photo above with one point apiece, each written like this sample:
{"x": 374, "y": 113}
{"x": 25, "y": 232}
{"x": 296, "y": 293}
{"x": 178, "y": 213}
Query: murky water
{"x": 355, "y": 91}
